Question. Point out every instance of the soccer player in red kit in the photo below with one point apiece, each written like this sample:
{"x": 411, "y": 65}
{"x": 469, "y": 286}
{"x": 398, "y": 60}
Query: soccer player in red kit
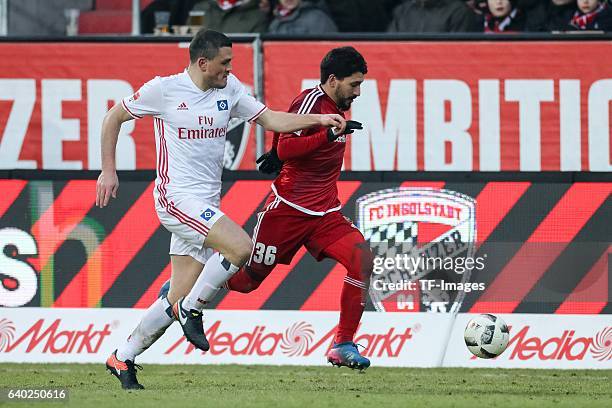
{"x": 303, "y": 208}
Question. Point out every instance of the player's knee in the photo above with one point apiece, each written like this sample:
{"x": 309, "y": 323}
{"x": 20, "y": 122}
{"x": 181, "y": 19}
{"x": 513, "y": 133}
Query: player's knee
{"x": 366, "y": 261}
{"x": 244, "y": 281}
{"x": 245, "y": 286}
{"x": 240, "y": 253}
{"x": 249, "y": 289}
{"x": 245, "y": 253}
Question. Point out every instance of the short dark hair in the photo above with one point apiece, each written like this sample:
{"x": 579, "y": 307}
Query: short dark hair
{"x": 206, "y": 44}
{"x": 342, "y": 62}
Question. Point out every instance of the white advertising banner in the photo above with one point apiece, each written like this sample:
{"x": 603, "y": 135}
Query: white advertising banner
{"x": 238, "y": 337}
{"x": 302, "y": 338}
{"x": 542, "y": 341}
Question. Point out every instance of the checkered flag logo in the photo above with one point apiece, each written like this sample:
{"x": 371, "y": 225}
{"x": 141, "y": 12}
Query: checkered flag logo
{"x": 390, "y": 239}
{"x": 390, "y": 221}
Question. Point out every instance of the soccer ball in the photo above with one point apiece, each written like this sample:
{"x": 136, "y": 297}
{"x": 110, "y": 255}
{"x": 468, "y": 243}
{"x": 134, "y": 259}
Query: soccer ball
{"x": 486, "y": 336}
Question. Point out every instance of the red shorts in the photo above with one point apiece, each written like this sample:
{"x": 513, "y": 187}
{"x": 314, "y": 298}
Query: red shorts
{"x": 281, "y": 230}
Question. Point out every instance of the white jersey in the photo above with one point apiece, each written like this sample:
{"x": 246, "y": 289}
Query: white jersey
{"x": 190, "y": 129}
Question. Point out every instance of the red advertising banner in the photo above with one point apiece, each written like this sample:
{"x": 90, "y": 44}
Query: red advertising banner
{"x": 460, "y": 106}
{"x": 53, "y": 98}
{"x": 543, "y": 247}
{"x": 466, "y": 106}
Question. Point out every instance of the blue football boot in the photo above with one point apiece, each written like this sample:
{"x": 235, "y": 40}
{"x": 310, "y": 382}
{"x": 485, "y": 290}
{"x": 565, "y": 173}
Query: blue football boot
{"x": 346, "y": 354}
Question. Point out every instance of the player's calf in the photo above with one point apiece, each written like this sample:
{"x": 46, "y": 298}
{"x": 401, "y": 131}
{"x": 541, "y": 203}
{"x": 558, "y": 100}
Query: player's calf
{"x": 356, "y": 257}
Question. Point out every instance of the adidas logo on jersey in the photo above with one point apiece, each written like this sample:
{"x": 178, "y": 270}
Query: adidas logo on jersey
{"x": 182, "y": 106}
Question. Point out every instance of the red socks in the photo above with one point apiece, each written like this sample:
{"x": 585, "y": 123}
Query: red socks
{"x": 353, "y": 253}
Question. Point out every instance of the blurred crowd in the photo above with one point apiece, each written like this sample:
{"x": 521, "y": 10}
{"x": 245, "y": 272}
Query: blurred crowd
{"x": 396, "y": 16}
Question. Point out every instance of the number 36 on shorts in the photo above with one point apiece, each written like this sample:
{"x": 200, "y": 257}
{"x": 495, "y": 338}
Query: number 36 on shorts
{"x": 264, "y": 254}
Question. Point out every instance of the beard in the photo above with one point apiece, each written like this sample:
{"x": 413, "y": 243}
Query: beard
{"x": 344, "y": 103}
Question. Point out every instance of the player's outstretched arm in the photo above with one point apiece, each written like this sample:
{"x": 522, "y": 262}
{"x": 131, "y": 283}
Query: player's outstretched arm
{"x": 108, "y": 182}
{"x": 291, "y": 146}
{"x": 284, "y": 122}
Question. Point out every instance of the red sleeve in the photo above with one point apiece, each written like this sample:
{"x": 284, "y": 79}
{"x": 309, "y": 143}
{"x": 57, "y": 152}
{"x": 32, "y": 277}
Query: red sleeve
{"x": 292, "y": 146}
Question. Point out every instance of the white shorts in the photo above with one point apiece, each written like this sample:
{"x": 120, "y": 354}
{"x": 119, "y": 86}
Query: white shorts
{"x": 189, "y": 219}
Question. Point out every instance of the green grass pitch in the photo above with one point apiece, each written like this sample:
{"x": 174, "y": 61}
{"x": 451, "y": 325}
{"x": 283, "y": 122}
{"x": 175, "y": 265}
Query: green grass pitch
{"x": 293, "y": 386}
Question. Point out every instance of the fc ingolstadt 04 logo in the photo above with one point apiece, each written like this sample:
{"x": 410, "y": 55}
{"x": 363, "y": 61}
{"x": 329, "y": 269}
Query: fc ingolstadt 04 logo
{"x": 422, "y": 239}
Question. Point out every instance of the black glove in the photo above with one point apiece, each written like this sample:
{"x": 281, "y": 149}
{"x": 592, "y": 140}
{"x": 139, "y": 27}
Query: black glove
{"x": 351, "y": 126}
{"x": 270, "y": 163}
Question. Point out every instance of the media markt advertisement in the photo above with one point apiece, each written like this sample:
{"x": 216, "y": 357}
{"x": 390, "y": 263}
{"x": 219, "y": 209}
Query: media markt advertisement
{"x": 303, "y": 338}
{"x": 237, "y": 337}
{"x": 541, "y": 341}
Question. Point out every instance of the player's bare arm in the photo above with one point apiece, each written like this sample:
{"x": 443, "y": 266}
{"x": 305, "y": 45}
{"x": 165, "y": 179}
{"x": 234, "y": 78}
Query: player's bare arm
{"x": 284, "y": 122}
{"x": 108, "y": 182}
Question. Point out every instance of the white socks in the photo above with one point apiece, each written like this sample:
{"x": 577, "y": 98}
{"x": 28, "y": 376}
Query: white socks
{"x": 215, "y": 273}
{"x": 151, "y": 327}
{"x": 158, "y": 318}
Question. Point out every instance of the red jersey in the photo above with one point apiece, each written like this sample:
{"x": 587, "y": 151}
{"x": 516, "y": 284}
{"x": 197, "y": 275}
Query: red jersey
{"x": 312, "y": 164}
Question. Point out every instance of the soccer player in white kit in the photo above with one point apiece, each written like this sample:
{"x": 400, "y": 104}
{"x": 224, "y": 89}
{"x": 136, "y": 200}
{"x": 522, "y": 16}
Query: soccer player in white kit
{"x": 191, "y": 112}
